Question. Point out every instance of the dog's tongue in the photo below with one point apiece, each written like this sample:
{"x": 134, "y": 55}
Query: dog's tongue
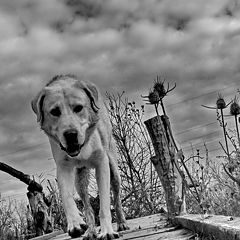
{"x": 73, "y": 150}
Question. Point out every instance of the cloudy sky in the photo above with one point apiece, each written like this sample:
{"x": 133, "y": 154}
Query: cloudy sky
{"x": 119, "y": 45}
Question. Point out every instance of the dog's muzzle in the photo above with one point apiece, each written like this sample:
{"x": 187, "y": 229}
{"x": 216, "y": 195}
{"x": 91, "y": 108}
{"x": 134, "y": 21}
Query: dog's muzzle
{"x": 73, "y": 147}
{"x": 72, "y": 150}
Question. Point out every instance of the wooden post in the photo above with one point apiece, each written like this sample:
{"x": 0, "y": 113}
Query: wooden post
{"x": 166, "y": 164}
{"x": 39, "y": 208}
{"x": 37, "y": 200}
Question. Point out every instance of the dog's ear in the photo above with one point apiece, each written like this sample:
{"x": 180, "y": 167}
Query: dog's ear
{"x": 37, "y": 106}
{"x": 92, "y": 92}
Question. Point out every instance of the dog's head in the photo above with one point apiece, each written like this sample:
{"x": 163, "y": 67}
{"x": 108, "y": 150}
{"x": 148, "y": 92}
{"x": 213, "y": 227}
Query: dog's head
{"x": 67, "y": 110}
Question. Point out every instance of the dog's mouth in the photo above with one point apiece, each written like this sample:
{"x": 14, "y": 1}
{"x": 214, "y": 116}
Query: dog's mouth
{"x": 72, "y": 149}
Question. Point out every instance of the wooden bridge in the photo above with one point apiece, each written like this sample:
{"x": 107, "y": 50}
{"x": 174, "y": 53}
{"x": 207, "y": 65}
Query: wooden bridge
{"x": 155, "y": 227}
{"x": 145, "y": 228}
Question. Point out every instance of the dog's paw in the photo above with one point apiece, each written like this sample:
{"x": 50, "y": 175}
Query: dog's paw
{"x": 108, "y": 236}
{"x": 122, "y": 227}
{"x": 90, "y": 234}
{"x": 75, "y": 232}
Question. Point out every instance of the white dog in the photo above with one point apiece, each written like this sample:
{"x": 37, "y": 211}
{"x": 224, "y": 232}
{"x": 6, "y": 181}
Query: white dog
{"x": 74, "y": 117}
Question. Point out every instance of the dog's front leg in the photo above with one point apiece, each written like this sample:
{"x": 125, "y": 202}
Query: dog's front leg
{"x": 103, "y": 182}
{"x": 65, "y": 177}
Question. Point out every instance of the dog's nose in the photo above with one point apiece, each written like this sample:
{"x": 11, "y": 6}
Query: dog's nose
{"x": 71, "y": 135}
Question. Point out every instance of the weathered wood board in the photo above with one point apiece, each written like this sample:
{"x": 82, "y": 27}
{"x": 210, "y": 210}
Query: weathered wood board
{"x": 215, "y": 226}
{"x": 152, "y": 227}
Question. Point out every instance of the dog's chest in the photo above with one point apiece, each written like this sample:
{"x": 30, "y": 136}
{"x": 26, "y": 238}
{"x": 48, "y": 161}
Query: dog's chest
{"x": 90, "y": 160}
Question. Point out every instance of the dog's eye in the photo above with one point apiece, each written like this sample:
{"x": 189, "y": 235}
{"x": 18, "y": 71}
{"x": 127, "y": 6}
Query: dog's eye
{"x": 78, "y": 108}
{"x": 55, "y": 112}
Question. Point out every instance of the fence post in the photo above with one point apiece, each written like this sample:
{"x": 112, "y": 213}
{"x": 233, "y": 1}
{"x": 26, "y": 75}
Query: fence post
{"x": 37, "y": 200}
{"x": 166, "y": 164}
{"x": 39, "y": 207}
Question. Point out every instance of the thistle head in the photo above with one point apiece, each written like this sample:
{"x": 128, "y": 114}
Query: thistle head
{"x": 234, "y": 107}
{"x": 159, "y": 88}
{"x": 158, "y": 92}
{"x": 153, "y": 97}
{"x": 221, "y": 104}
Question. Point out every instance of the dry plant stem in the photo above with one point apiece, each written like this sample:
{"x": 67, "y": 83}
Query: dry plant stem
{"x": 185, "y": 167}
{"x": 225, "y": 135}
{"x": 156, "y": 109}
{"x": 233, "y": 178}
{"x": 222, "y": 147}
{"x": 197, "y": 197}
{"x": 190, "y": 177}
{"x": 134, "y": 148}
{"x": 236, "y": 122}
{"x": 163, "y": 109}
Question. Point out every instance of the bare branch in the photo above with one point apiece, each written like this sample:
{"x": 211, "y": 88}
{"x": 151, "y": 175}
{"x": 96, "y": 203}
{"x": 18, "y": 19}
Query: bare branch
{"x": 231, "y": 176}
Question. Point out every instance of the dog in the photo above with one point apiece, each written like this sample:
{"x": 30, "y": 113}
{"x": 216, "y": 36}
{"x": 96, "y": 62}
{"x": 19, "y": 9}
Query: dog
{"x": 73, "y": 115}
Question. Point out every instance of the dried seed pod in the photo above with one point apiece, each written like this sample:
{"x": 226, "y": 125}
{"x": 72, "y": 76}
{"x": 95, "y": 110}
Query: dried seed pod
{"x": 111, "y": 106}
{"x": 221, "y": 104}
{"x": 159, "y": 87}
{"x": 234, "y": 107}
{"x": 153, "y": 97}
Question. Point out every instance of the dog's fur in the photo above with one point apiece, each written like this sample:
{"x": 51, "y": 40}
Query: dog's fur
{"x": 74, "y": 117}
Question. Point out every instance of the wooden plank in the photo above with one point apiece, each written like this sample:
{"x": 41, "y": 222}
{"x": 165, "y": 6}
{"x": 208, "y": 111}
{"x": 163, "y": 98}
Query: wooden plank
{"x": 145, "y": 228}
{"x": 218, "y": 226}
{"x": 150, "y": 234}
{"x": 156, "y": 220}
{"x": 49, "y": 235}
{"x": 154, "y": 228}
{"x": 62, "y": 237}
{"x": 147, "y": 233}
